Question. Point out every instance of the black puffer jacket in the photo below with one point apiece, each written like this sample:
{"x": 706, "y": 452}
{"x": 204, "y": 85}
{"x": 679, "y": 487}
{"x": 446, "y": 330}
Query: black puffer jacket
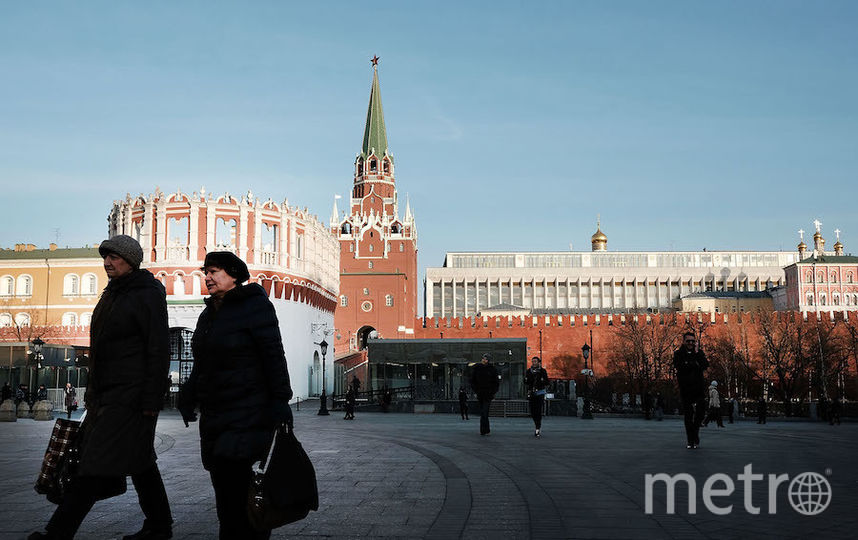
{"x": 239, "y": 381}
{"x": 484, "y": 381}
{"x": 128, "y": 368}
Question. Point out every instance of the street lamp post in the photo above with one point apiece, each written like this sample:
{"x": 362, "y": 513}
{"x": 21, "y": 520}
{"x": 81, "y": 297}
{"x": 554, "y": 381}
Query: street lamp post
{"x": 587, "y": 413}
{"x": 323, "y": 406}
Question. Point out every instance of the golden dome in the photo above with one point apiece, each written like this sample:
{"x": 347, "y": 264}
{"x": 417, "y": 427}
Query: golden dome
{"x": 599, "y": 236}
{"x": 802, "y": 246}
{"x": 817, "y": 235}
{"x": 838, "y": 245}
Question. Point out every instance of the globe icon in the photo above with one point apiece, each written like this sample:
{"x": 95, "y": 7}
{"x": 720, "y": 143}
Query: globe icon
{"x": 809, "y": 493}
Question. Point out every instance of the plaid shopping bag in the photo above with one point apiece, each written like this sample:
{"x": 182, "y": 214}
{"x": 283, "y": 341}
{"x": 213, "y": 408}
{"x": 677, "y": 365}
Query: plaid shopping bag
{"x": 61, "y": 459}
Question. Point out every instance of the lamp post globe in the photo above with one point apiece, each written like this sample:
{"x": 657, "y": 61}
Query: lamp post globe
{"x": 323, "y": 405}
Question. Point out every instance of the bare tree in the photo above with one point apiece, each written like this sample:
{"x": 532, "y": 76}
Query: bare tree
{"x": 785, "y": 342}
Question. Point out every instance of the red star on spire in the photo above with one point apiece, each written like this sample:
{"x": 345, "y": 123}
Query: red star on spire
{"x": 374, "y": 60}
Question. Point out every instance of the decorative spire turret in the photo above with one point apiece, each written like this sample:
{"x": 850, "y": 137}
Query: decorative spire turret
{"x": 599, "y": 240}
{"x": 818, "y": 240}
{"x": 375, "y": 134}
{"x": 335, "y": 213}
{"x": 802, "y": 247}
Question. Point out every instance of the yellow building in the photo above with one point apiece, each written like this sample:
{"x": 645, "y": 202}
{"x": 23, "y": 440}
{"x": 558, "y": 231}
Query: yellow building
{"x": 49, "y": 287}
{"x": 725, "y": 301}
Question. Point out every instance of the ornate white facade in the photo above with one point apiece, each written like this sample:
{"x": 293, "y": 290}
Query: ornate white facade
{"x": 288, "y": 251}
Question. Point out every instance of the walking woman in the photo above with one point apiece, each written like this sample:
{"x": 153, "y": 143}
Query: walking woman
{"x": 240, "y": 384}
{"x": 536, "y": 380}
{"x": 71, "y": 399}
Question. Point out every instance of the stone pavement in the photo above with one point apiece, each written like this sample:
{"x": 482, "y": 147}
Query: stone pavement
{"x": 434, "y": 476}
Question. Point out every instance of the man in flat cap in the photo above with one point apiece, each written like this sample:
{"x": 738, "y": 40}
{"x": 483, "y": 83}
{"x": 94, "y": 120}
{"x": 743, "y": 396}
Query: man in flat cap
{"x": 129, "y": 364}
{"x": 485, "y": 383}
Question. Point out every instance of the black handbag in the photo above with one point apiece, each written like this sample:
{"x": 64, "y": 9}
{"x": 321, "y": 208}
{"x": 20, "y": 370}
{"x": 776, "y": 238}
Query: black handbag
{"x": 283, "y": 489}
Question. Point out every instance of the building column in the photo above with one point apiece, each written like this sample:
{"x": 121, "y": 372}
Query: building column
{"x": 453, "y": 295}
{"x": 429, "y": 306}
{"x": 193, "y": 231}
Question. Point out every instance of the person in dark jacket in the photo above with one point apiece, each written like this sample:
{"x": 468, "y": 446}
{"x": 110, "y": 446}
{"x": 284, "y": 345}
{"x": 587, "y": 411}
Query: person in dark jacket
{"x": 536, "y": 380}
{"x": 42, "y": 393}
{"x": 6, "y": 392}
{"x": 761, "y": 410}
{"x": 128, "y": 365}
{"x": 463, "y": 403}
{"x": 690, "y": 363}
{"x": 70, "y": 399}
{"x": 350, "y": 404}
{"x": 240, "y": 383}
{"x": 484, "y": 382}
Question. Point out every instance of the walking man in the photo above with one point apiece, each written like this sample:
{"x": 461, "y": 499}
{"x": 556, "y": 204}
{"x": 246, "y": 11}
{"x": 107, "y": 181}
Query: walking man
{"x": 761, "y": 410}
{"x": 129, "y": 362}
{"x": 690, "y": 363}
{"x": 484, "y": 382}
{"x": 536, "y": 380}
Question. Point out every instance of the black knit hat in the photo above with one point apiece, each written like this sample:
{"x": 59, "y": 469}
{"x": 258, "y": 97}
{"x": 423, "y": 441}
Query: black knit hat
{"x": 229, "y": 263}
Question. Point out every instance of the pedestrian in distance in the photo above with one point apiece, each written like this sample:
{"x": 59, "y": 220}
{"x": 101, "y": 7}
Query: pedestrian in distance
{"x": 386, "y": 399}
{"x": 734, "y": 409}
{"x": 659, "y": 406}
{"x": 240, "y": 383}
{"x": 463, "y": 403}
{"x": 355, "y": 384}
{"x": 350, "y": 404}
{"x": 690, "y": 363}
{"x": 129, "y": 361}
{"x": 42, "y": 393}
{"x": 70, "y": 400}
{"x": 21, "y": 394}
{"x": 834, "y": 411}
{"x": 6, "y": 392}
{"x": 714, "y": 405}
{"x": 536, "y": 381}
{"x": 761, "y": 410}
{"x": 484, "y": 382}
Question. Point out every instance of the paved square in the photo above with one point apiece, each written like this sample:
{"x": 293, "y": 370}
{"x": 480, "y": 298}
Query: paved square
{"x": 434, "y": 476}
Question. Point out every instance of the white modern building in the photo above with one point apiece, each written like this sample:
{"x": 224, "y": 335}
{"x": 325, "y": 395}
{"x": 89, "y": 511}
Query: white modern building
{"x": 568, "y": 282}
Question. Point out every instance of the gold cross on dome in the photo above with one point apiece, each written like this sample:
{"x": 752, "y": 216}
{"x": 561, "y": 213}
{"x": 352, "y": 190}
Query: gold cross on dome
{"x": 801, "y": 234}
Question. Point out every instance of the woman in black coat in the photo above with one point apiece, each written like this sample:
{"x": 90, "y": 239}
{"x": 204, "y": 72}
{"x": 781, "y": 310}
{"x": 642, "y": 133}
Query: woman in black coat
{"x": 240, "y": 383}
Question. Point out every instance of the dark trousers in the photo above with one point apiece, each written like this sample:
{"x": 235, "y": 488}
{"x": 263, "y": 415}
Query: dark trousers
{"x": 463, "y": 408}
{"x": 694, "y": 412}
{"x": 150, "y": 492}
{"x": 713, "y": 415}
{"x": 485, "y": 404}
{"x": 536, "y": 405}
{"x": 231, "y": 481}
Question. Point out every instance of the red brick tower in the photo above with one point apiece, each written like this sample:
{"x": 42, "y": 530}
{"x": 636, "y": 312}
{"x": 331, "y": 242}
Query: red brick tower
{"x": 378, "y": 248}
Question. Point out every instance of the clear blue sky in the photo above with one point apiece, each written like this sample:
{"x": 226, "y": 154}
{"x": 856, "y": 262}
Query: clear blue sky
{"x": 726, "y": 125}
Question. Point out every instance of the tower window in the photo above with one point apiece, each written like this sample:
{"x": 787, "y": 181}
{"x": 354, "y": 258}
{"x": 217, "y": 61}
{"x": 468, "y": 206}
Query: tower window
{"x": 365, "y": 290}
{"x": 344, "y": 300}
{"x": 388, "y": 300}
{"x": 370, "y": 265}
{"x": 386, "y": 166}
{"x": 373, "y": 166}
{"x": 351, "y": 248}
{"x": 401, "y": 246}
{"x": 370, "y": 248}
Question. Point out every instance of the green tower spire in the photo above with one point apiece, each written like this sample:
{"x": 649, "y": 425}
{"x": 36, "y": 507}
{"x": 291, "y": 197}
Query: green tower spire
{"x": 374, "y": 135}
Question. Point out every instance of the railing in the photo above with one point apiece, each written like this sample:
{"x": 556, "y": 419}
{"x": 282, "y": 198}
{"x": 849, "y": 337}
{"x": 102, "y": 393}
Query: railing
{"x": 268, "y": 257}
{"x": 177, "y": 253}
